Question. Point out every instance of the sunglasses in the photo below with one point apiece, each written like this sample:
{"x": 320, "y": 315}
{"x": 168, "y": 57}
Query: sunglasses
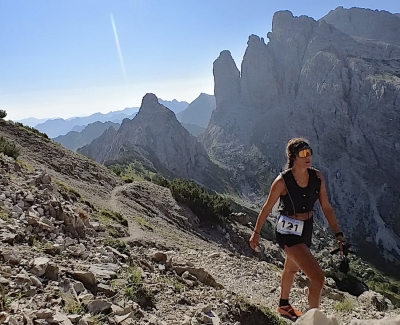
{"x": 305, "y": 153}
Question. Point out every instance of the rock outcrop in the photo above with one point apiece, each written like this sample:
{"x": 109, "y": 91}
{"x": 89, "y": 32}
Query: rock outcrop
{"x": 340, "y": 92}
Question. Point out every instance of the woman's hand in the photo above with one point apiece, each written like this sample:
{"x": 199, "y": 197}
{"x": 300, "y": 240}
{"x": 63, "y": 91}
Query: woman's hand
{"x": 254, "y": 240}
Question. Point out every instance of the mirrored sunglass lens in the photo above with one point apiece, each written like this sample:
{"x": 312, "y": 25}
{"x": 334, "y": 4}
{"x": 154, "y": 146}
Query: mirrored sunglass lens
{"x": 305, "y": 153}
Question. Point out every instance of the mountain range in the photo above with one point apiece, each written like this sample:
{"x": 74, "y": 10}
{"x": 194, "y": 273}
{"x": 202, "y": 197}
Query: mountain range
{"x": 59, "y": 126}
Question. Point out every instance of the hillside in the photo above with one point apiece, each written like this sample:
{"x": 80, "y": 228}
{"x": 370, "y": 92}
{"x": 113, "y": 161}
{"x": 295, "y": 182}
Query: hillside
{"x": 78, "y": 245}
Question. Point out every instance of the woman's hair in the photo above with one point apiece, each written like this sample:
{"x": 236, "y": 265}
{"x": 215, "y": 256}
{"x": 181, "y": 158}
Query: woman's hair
{"x": 292, "y": 149}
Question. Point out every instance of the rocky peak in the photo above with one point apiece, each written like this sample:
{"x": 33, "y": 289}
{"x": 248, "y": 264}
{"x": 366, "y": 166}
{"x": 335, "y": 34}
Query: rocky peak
{"x": 156, "y": 136}
{"x": 371, "y": 24}
{"x": 226, "y": 80}
{"x": 150, "y": 102}
{"x": 257, "y": 71}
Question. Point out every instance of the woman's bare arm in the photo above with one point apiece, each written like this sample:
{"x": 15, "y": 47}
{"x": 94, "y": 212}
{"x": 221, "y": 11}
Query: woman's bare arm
{"x": 277, "y": 189}
{"x": 326, "y": 206}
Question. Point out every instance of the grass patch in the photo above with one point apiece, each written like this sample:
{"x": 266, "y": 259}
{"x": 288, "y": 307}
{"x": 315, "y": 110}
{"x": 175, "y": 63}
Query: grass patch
{"x": 109, "y": 219}
{"x": 131, "y": 172}
{"x": 177, "y": 286}
{"x": 71, "y": 306}
{"x": 135, "y": 289}
{"x": 25, "y": 165}
{"x": 68, "y": 189}
{"x": 4, "y": 215}
{"x": 116, "y": 216}
{"x": 143, "y": 223}
{"x": 5, "y": 300}
{"x": 345, "y": 305}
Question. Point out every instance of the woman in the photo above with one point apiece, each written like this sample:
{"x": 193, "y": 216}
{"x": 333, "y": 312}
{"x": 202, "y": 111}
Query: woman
{"x": 298, "y": 187}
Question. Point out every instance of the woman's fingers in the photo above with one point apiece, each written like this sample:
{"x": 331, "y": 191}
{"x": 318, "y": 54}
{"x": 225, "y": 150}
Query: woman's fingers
{"x": 253, "y": 242}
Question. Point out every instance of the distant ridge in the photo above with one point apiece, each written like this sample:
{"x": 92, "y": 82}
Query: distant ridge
{"x": 77, "y": 139}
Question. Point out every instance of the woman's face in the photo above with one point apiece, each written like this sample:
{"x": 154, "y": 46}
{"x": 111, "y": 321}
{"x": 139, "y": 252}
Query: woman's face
{"x": 303, "y": 158}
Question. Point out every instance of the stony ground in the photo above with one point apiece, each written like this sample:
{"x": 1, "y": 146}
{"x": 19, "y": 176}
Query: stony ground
{"x": 79, "y": 247}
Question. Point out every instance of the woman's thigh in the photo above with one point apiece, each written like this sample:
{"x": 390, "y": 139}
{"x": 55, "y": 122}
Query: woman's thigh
{"x": 301, "y": 255}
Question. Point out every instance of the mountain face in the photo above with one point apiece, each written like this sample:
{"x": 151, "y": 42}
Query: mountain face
{"x": 356, "y": 22}
{"x": 155, "y": 135}
{"x": 339, "y": 91}
{"x": 199, "y": 111}
{"x": 76, "y": 139}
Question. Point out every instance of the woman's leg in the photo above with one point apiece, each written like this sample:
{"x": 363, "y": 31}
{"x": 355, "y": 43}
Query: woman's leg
{"x": 301, "y": 255}
{"x": 289, "y": 271}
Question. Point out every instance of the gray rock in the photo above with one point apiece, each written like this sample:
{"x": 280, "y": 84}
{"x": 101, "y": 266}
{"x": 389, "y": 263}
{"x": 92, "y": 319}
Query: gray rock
{"x": 40, "y": 265}
{"x": 99, "y": 306}
{"x": 87, "y": 278}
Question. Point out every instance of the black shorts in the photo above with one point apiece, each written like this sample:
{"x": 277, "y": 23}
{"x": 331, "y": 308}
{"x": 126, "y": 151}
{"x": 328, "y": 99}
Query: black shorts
{"x": 291, "y": 240}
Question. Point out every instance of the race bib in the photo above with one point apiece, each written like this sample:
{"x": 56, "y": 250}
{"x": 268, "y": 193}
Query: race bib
{"x": 289, "y": 226}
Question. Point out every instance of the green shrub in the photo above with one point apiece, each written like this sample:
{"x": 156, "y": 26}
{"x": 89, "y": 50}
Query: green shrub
{"x": 160, "y": 181}
{"x": 209, "y": 208}
{"x": 3, "y": 113}
{"x": 9, "y": 148}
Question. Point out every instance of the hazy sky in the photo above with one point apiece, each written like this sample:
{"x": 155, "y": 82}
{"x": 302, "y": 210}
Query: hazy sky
{"x": 77, "y": 57}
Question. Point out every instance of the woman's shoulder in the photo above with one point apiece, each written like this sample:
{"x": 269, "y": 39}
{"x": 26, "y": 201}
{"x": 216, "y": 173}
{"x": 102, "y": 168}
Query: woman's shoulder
{"x": 315, "y": 171}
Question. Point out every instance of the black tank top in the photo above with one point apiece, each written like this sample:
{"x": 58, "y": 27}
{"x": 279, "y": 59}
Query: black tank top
{"x": 303, "y": 198}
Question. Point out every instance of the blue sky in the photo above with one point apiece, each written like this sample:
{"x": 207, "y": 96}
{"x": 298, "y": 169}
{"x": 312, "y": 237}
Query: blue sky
{"x": 61, "y": 59}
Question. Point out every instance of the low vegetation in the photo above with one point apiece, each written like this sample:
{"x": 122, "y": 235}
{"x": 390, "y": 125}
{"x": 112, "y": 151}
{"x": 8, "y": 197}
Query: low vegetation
{"x": 10, "y": 149}
{"x": 133, "y": 171}
{"x": 345, "y": 305}
{"x": 5, "y": 300}
{"x": 4, "y": 215}
{"x": 209, "y": 208}
{"x": 135, "y": 289}
{"x": 112, "y": 221}
{"x": 65, "y": 188}
{"x": 32, "y": 130}
{"x": 71, "y": 305}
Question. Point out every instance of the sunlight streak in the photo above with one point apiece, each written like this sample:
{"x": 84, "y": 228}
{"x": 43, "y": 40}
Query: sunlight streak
{"x": 121, "y": 59}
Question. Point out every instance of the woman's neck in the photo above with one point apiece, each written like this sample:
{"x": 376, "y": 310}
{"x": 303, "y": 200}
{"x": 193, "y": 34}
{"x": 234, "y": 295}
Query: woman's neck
{"x": 299, "y": 170}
